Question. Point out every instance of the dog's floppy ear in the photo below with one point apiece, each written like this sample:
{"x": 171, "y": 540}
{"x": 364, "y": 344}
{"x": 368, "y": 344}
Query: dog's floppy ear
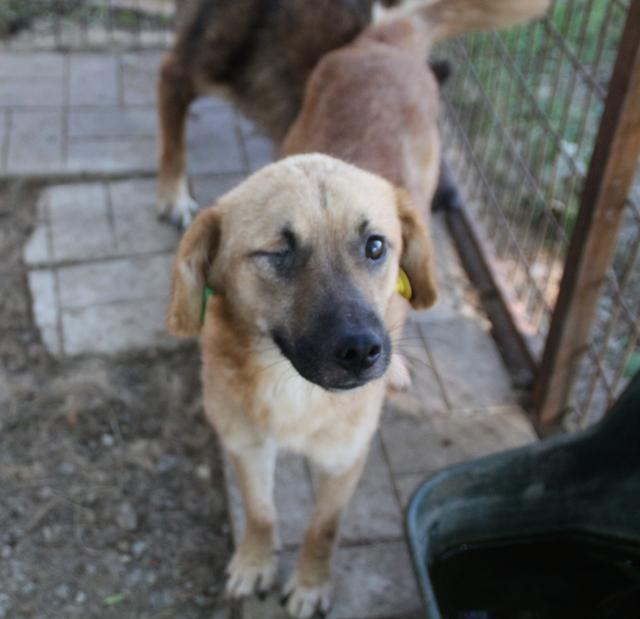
{"x": 191, "y": 273}
{"x": 417, "y": 253}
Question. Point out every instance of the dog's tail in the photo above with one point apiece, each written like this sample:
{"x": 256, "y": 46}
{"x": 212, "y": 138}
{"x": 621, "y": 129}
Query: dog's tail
{"x": 441, "y": 19}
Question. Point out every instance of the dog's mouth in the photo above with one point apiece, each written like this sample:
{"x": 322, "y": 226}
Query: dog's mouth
{"x": 337, "y": 364}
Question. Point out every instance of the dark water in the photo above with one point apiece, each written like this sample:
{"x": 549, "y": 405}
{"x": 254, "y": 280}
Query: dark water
{"x": 540, "y": 578}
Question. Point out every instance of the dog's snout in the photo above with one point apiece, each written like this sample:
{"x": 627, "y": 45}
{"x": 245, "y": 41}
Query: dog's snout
{"x": 358, "y": 351}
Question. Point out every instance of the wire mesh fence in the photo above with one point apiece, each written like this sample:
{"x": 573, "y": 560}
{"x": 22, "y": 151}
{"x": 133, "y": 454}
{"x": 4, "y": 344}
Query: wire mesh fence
{"x": 85, "y": 24}
{"x": 519, "y": 123}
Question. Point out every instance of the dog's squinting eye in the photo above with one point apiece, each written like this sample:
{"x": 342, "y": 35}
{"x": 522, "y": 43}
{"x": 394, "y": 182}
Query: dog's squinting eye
{"x": 375, "y": 247}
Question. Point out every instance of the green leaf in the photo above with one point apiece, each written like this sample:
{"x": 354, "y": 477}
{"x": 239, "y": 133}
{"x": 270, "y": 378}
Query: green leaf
{"x": 112, "y": 600}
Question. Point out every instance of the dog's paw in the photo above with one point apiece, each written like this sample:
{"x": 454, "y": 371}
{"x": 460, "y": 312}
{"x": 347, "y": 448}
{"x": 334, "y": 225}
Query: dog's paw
{"x": 399, "y": 375}
{"x": 177, "y": 207}
{"x": 303, "y": 602}
{"x": 248, "y": 574}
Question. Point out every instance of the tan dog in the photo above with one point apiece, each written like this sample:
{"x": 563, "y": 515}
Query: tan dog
{"x": 304, "y": 257}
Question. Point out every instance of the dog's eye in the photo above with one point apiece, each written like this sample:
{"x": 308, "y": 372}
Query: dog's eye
{"x": 375, "y": 247}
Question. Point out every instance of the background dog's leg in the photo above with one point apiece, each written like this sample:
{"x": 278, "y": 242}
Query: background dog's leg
{"x": 175, "y": 93}
{"x": 309, "y": 588}
{"x": 253, "y": 566}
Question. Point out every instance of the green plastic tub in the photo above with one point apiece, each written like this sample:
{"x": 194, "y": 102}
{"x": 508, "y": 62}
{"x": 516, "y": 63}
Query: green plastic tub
{"x": 487, "y": 535}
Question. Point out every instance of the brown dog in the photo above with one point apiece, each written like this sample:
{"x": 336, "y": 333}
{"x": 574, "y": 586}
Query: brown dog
{"x": 304, "y": 257}
{"x": 257, "y": 52}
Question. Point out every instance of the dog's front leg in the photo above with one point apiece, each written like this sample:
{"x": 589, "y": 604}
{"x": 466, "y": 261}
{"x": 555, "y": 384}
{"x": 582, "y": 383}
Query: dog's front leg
{"x": 254, "y": 564}
{"x": 309, "y": 588}
{"x": 175, "y": 93}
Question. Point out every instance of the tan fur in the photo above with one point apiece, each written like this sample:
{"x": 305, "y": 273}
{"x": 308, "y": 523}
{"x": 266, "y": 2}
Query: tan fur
{"x": 371, "y": 104}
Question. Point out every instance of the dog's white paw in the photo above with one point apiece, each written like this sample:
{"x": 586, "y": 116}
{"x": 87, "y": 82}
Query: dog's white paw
{"x": 303, "y": 602}
{"x": 399, "y": 375}
{"x": 176, "y": 205}
{"x": 248, "y": 574}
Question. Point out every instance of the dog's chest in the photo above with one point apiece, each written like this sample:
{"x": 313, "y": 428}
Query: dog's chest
{"x": 306, "y": 418}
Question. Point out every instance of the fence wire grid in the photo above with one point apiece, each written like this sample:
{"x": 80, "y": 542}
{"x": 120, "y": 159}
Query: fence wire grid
{"x": 520, "y": 118}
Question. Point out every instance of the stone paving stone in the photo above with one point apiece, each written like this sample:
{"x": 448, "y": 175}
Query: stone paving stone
{"x": 139, "y": 76}
{"x": 31, "y": 65}
{"x": 417, "y": 446}
{"x": 4, "y": 136}
{"x": 107, "y": 329}
{"x": 259, "y": 148}
{"x": 373, "y": 512}
{"x": 93, "y": 79}
{"x": 213, "y": 144}
{"x": 207, "y": 189}
{"x": 113, "y": 281}
{"x": 456, "y": 294}
{"x": 211, "y": 102}
{"x": 371, "y": 582}
{"x": 35, "y": 141}
{"x": 136, "y": 225}
{"x": 468, "y": 363}
{"x": 425, "y": 397}
{"x": 260, "y": 152}
{"x": 406, "y": 485}
{"x": 293, "y": 499}
{"x": 37, "y": 251}
{"x": 80, "y": 227}
{"x": 45, "y": 308}
{"x": 113, "y": 122}
{"x": 38, "y": 92}
{"x": 126, "y": 154}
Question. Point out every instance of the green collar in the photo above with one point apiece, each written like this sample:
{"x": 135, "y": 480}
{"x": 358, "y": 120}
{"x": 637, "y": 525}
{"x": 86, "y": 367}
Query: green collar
{"x": 206, "y": 293}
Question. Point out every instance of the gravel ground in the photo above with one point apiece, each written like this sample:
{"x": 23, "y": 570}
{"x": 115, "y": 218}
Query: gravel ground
{"x": 111, "y": 492}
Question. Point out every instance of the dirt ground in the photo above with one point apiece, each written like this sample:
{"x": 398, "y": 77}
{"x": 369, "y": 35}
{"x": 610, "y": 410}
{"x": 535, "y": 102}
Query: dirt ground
{"x": 111, "y": 493}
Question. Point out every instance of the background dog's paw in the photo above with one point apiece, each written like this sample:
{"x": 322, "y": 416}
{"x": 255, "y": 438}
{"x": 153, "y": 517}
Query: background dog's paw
{"x": 177, "y": 208}
{"x": 304, "y": 602}
{"x": 248, "y": 574}
{"x": 399, "y": 375}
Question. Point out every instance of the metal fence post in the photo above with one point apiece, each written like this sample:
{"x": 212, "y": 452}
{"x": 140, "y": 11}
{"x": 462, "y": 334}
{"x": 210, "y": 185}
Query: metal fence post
{"x": 611, "y": 172}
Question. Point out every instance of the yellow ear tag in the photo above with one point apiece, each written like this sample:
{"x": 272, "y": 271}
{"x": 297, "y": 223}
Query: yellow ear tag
{"x": 403, "y": 285}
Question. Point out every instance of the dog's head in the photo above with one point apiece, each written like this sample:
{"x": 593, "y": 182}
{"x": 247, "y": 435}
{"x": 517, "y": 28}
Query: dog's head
{"x": 307, "y": 252}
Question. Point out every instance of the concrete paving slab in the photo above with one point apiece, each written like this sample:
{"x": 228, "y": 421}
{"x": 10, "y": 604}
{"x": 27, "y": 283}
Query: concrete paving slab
{"x": 35, "y": 141}
{"x": 139, "y": 77}
{"x": 93, "y": 79}
{"x": 108, "y": 329}
{"x": 37, "y": 251}
{"x": 45, "y": 308}
{"x": 5, "y": 119}
{"x": 136, "y": 226}
{"x": 79, "y": 220}
{"x": 112, "y": 122}
{"x": 115, "y": 281}
{"x": 421, "y": 446}
{"x": 112, "y": 154}
{"x": 213, "y": 144}
{"x": 208, "y": 188}
{"x": 373, "y": 512}
{"x": 32, "y": 92}
{"x": 371, "y": 582}
{"x": 31, "y": 65}
{"x": 426, "y": 396}
{"x": 468, "y": 363}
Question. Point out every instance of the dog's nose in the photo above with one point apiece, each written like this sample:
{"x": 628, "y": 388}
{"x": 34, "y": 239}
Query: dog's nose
{"x": 358, "y": 351}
